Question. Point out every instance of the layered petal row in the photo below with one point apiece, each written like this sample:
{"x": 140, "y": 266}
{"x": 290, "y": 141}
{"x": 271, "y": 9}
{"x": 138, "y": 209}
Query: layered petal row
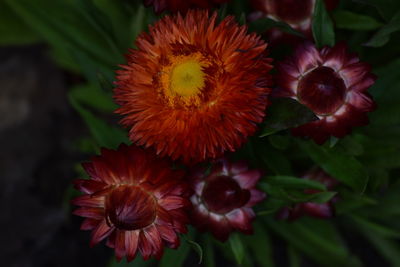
{"x": 332, "y": 83}
{"x": 134, "y": 200}
{"x": 223, "y": 198}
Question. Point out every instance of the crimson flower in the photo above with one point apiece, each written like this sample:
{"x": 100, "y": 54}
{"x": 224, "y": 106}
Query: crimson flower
{"x": 134, "y": 200}
{"x": 298, "y": 14}
{"x": 317, "y": 210}
{"x": 224, "y": 198}
{"x": 181, "y": 5}
{"x": 194, "y": 88}
{"x": 333, "y": 84}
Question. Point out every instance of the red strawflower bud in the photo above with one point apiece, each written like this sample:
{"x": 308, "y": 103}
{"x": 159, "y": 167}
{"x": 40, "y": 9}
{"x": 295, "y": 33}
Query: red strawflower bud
{"x": 297, "y": 13}
{"x": 181, "y": 5}
{"x": 224, "y": 198}
{"x": 333, "y": 84}
{"x": 317, "y": 210}
{"x": 134, "y": 200}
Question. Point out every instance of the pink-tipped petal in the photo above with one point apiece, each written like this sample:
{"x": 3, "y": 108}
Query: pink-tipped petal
{"x": 131, "y": 244}
{"x": 101, "y": 232}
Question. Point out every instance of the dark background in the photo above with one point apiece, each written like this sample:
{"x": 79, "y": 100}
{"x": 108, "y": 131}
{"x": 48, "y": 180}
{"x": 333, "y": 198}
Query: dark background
{"x": 38, "y": 131}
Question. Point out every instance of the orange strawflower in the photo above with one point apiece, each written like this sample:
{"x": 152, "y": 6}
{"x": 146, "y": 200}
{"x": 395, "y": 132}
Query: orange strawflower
{"x": 194, "y": 89}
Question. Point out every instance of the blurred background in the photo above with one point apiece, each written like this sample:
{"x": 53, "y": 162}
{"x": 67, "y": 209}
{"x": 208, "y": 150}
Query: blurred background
{"x": 57, "y": 63}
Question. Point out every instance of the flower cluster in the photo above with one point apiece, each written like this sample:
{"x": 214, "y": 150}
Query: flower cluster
{"x": 192, "y": 91}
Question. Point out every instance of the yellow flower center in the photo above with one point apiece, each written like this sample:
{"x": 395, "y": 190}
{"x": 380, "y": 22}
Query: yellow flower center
{"x": 187, "y": 78}
{"x": 183, "y": 79}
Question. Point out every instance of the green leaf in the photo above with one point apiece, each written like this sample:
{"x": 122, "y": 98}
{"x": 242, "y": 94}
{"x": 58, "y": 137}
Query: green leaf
{"x": 280, "y": 142}
{"x": 100, "y": 23}
{"x": 383, "y": 35}
{"x": 13, "y": 30}
{"x": 209, "y": 259}
{"x": 338, "y": 164}
{"x": 375, "y": 227}
{"x": 295, "y": 196}
{"x": 237, "y": 247}
{"x": 105, "y": 135}
{"x": 176, "y": 257}
{"x": 322, "y": 197}
{"x": 137, "y": 262}
{"x": 387, "y": 8}
{"x": 262, "y": 25}
{"x": 322, "y": 26}
{"x": 348, "y": 20}
{"x": 350, "y": 202}
{"x": 389, "y": 249}
{"x": 260, "y": 245}
{"x": 64, "y": 30}
{"x": 285, "y": 113}
{"x": 138, "y": 23}
{"x": 319, "y": 240}
{"x": 93, "y": 97}
{"x": 294, "y": 183}
{"x": 294, "y": 257}
{"x": 274, "y": 159}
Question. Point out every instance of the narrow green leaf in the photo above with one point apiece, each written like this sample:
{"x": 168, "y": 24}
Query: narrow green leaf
{"x": 275, "y": 160}
{"x": 322, "y": 26}
{"x": 101, "y": 23}
{"x": 105, "y": 135}
{"x": 138, "y": 23}
{"x": 280, "y": 142}
{"x": 382, "y": 230}
{"x": 209, "y": 259}
{"x": 337, "y": 163}
{"x": 285, "y": 113}
{"x": 13, "y": 30}
{"x": 93, "y": 97}
{"x": 318, "y": 240}
{"x": 174, "y": 257}
{"x": 389, "y": 249}
{"x": 322, "y": 197}
{"x": 348, "y": 20}
{"x": 260, "y": 245}
{"x": 295, "y": 196}
{"x": 383, "y": 35}
{"x": 237, "y": 247}
{"x": 137, "y": 262}
{"x": 294, "y": 183}
{"x": 294, "y": 257}
{"x": 387, "y": 8}
{"x": 66, "y": 30}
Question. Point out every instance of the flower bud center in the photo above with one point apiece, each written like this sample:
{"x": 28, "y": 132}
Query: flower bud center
{"x": 322, "y": 90}
{"x": 130, "y": 208}
{"x": 222, "y": 194}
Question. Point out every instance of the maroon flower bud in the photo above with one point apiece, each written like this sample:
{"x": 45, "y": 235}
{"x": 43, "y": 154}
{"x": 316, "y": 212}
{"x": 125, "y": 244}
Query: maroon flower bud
{"x": 134, "y": 200}
{"x": 333, "y": 84}
{"x": 181, "y": 5}
{"x": 224, "y": 198}
{"x": 297, "y": 13}
{"x": 316, "y": 210}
